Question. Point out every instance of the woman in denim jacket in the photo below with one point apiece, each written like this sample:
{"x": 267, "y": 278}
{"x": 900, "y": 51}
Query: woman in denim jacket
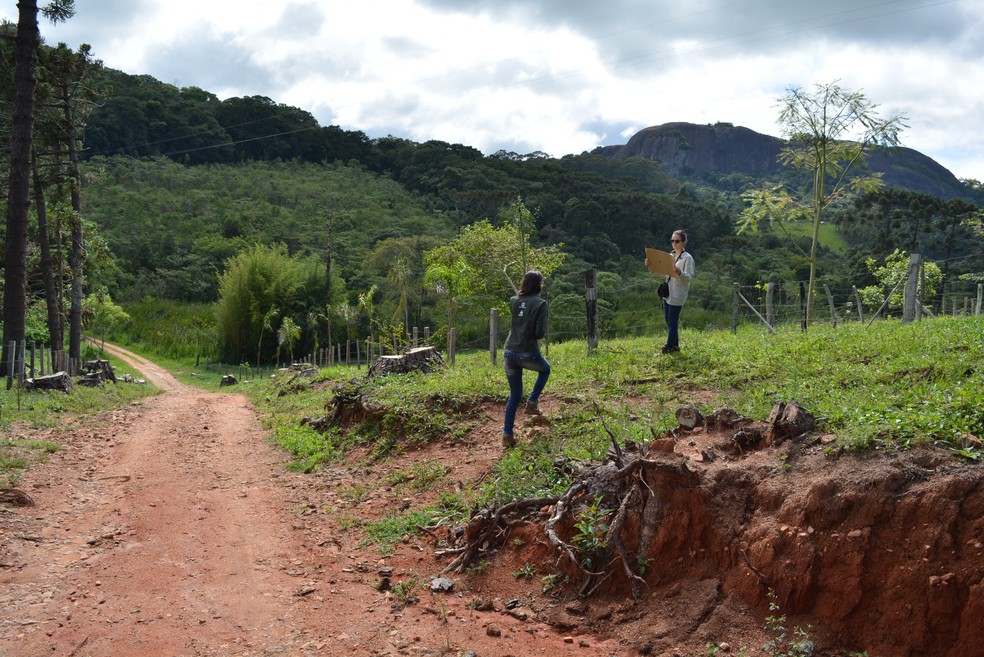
{"x": 522, "y": 350}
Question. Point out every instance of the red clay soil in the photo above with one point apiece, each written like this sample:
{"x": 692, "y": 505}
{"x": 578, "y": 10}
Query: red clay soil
{"x": 171, "y": 527}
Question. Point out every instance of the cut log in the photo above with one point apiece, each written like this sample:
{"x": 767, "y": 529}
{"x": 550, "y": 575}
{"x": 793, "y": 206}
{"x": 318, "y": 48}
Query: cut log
{"x": 57, "y": 381}
{"x": 228, "y": 380}
{"x": 423, "y": 359}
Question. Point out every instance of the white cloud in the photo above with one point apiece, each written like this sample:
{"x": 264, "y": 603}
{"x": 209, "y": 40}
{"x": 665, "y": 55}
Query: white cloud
{"x": 561, "y": 76}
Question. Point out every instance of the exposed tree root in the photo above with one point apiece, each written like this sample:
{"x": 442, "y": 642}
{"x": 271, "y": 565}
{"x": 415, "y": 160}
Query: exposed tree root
{"x": 612, "y": 511}
{"x": 622, "y": 489}
{"x": 484, "y": 525}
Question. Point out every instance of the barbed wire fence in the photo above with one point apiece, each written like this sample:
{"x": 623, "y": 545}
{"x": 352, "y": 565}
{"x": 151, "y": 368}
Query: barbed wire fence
{"x": 596, "y": 315}
{"x": 771, "y": 305}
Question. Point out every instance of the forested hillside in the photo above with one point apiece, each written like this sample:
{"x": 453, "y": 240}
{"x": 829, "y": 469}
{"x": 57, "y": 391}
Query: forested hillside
{"x": 177, "y": 184}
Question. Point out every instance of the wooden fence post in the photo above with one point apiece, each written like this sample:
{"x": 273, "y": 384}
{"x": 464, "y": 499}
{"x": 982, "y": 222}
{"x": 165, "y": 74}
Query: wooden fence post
{"x": 909, "y": 293}
{"x": 757, "y": 313}
{"x": 734, "y": 306}
{"x": 21, "y": 360}
{"x": 591, "y": 304}
{"x": 770, "y": 317}
{"x": 415, "y": 337}
{"x": 980, "y": 298}
{"x": 493, "y": 333}
{"x": 857, "y": 300}
{"x": 830, "y": 300}
{"x": 803, "y": 305}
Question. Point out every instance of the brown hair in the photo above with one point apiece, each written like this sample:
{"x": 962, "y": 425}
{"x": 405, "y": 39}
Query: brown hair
{"x": 682, "y": 234}
{"x": 532, "y": 283}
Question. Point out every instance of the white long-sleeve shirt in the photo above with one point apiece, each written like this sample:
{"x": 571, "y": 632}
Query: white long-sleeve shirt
{"x": 680, "y": 285}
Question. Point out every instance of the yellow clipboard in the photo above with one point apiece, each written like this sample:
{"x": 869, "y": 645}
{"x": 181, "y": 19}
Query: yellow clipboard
{"x": 660, "y": 263}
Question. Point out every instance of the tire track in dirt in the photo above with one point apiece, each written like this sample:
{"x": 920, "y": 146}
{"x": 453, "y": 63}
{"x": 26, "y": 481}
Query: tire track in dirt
{"x": 172, "y": 528}
{"x": 168, "y": 541}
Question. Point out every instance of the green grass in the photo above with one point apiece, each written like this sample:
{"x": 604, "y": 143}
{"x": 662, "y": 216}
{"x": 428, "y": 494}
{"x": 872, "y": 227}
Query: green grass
{"x": 390, "y": 530}
{"x": 18, "y": 454}
{"x": 887, "y": 385}
{"x": 420, "y": 477}
{"x": 308, "y": 446}
{"x": 22, "y": 412}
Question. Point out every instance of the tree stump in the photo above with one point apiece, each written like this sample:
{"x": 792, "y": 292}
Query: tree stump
{"x": 689, "y": 418}
{"x": 101, "y": 367}
{"x": 57, "y": 381}
{"x": 789, "y": 421}
{"x": 93, "y": 380}
{"x": 228, "y": 380}
{"x": 423, "y": 359}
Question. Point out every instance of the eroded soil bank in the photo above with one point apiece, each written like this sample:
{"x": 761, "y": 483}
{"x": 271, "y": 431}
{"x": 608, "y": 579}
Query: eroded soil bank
{"x": 171, "y": 527}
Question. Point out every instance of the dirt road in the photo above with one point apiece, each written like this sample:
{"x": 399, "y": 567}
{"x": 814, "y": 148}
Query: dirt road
{"x": 171, "y": 527}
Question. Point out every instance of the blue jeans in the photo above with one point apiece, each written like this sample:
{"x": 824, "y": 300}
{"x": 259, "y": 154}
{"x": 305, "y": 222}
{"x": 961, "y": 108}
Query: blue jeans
{"x": 672, "y": 315}
{"x": 514, "y": 363}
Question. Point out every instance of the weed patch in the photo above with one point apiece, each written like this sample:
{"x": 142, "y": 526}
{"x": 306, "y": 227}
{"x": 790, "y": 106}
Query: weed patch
{"x": 309, "y": 447}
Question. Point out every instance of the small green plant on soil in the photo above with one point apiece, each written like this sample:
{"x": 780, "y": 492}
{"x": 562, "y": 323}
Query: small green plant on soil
{"x": 480, "y": 568}
{"x": 968, "y": 454}
{"x": 422, "y": 476}
{"x": 526, "y": 572}
{"x": 344, "y": 519}
{"x": 591, "y": 526}
{"x": 392, "y": 529}
{"x": 406, "y": 591}
{"x": 784, "y": 642}
{"x": 552, "y": 580}
{"x": 18, "y": 455}
{"x": 355, "y": 494}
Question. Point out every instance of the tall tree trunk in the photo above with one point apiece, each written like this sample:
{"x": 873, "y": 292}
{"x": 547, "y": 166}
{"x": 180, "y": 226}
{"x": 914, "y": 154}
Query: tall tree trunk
{"x": 78, "y": 245}
{"x": 19, "y": 192}
{"x": 328, "y": 252}
{"x": 56, "y": 335}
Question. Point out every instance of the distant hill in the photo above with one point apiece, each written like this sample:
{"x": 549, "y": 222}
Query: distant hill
{"x": 688, "y": 151}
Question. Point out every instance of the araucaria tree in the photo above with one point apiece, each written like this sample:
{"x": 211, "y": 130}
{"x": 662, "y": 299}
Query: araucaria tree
{"x": 19, "y": 188}
{"x": 829, "y": 132}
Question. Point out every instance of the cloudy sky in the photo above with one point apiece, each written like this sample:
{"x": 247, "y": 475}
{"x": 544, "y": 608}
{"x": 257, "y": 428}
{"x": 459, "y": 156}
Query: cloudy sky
{"x": 559, "y": 76}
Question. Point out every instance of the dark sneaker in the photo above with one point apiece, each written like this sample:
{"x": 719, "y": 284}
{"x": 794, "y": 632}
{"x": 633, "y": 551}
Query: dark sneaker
{"x": 670, "y": 350}
{"x": 532, "y": 408}
{"x": 508, "y": 440}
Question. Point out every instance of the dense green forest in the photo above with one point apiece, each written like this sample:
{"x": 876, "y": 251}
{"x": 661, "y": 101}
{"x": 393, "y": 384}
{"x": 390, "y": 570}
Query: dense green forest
{"x": 177, "y": 188}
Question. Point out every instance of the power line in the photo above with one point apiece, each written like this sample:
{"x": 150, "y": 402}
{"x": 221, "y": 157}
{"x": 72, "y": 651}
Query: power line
{"x": 832, "y": 19}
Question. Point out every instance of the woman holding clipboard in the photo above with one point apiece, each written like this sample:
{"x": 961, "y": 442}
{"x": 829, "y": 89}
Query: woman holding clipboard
{"x": 678, "y": 288}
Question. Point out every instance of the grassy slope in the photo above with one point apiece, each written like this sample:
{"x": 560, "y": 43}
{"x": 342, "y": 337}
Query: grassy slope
{"x": 22, "y": 414}
{"x": 884, "y": 386}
